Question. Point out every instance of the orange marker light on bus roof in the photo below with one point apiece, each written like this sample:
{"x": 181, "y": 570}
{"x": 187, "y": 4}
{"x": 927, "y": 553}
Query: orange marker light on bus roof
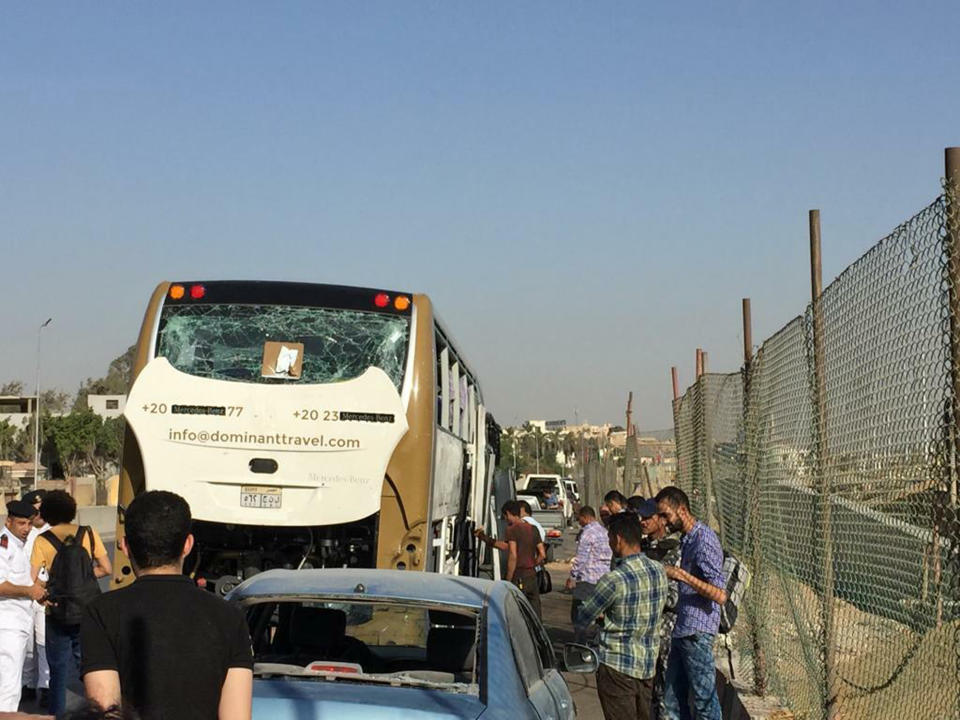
{"x": 197, "y": 291}
{"x": 177, "y": 292}
{"x": 381, "y": 300}
{"x": 402, "y": 302}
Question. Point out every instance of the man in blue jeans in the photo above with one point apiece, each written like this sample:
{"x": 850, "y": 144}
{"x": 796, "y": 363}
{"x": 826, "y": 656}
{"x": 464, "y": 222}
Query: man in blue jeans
{"x": 690, "y": 670}
{"x": 59, "y": 509}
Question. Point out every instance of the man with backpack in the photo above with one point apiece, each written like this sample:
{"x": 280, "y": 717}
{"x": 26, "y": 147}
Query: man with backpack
{"x": 70, "y": 558}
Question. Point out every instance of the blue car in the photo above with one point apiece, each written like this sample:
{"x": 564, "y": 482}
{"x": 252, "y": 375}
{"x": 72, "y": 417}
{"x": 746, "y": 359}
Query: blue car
{"x": 369, "y": 644}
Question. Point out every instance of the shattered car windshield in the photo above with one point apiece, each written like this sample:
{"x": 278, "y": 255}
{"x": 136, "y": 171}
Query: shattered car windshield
{"x": 226, "y": 342}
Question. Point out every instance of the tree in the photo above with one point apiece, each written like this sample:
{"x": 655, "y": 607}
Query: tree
{"x": 23, "y": 443}
{"x": 8, "y": 440}
{"x": 106, "y": 456}
{"x": 115, "y": 382}
{"x": 84, "y": 443}
{"x": 14, "y": 387}
{"x": 54, "y": 401}
{"x": 71, "y": 436}
{"x": 508, "y": 440}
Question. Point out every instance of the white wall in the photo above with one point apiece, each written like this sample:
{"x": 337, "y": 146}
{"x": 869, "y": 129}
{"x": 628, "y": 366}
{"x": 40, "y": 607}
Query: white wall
{"x": 98, "y": 403}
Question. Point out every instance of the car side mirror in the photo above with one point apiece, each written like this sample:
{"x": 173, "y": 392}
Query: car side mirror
{"x": 579, "y": 658}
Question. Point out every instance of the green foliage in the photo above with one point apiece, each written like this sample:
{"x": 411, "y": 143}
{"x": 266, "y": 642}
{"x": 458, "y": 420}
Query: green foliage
{"x": 84, "y": 443}
{"x": 23, "y": 444}
{"x": 115, "y": 382}
{"x": 14, "y": 387}
{"x": 54, "y": 401}
{"x": 521, "y": 448}
{"x": 8, "y": 441}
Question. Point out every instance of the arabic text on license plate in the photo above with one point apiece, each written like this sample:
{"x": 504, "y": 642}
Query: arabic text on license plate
{"x": 253, "y": 496}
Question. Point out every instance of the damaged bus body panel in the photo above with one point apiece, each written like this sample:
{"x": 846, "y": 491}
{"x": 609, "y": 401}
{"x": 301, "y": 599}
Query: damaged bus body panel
{"x": 246, "y": 454}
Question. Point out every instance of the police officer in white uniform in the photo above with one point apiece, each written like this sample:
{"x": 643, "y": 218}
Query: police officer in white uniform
{"x": 18, "y": 592}
{"x": 36, "y": 671}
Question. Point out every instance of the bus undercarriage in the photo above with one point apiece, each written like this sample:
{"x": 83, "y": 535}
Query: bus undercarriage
{"x": 225, "y": 555}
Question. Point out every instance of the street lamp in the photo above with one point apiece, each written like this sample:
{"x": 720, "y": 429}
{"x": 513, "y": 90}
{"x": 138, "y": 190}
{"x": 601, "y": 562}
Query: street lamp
{"x": 36, "y": 424}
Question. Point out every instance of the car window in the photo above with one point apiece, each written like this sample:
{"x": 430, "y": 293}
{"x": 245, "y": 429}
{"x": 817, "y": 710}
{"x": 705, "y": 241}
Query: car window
{"x": 380, "y": 637}
{"x": 524, "y": 648}
{"x": 540, "y": 639}
{"x": 542, "y": 486}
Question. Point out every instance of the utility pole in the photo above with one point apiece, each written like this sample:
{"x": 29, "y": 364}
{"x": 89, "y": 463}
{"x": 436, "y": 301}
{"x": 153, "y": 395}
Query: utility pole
{"x": 536, "y": 436}
{"x": 36, "y": 424}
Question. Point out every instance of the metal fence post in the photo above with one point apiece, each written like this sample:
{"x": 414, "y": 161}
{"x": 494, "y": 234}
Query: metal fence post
{"x": 952, "y": 197}
{"x": 946, "y": 518}
{"x": 752, "y": 514}
{"x": 822, "y": 472}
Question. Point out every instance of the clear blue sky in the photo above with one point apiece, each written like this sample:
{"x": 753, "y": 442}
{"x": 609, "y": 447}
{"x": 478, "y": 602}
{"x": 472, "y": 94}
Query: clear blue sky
{"x": 586, "y": 190}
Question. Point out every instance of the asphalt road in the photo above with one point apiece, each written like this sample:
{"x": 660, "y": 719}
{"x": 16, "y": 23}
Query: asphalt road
{"x": 556, "y": 618}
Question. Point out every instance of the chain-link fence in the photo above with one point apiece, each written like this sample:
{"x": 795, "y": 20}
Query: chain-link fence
{"x": 828, "y": 466}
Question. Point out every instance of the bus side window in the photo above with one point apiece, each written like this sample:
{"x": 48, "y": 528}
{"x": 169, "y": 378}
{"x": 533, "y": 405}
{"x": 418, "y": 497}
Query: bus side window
{"x": 472, "y": 413}
{"x": 455, "y": 399}
{"x": 439, "y": 383}
{"x": 444, "y": 417}
{"x": 462, "y": 394}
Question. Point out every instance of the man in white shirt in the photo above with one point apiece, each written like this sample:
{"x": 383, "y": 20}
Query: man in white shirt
{"x": 36, "y": 671}
{"x": 526, "y": 514}
{"x": 18, "y": 592}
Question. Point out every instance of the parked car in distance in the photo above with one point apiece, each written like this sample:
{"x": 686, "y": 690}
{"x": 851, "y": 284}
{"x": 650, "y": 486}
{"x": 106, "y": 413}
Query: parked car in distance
{"x": 369, "y": 644}
{"x": 542, "y": 485}
{"x": 573, "y": 491}
{"x": 533, "y": 500}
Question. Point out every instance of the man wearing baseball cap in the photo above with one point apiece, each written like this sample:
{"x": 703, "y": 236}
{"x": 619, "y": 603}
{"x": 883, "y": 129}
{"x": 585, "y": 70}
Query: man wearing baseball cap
{"x": 17, "y": 595}
{"x": 664, "y": 547}
{"x": 36, "y": 670}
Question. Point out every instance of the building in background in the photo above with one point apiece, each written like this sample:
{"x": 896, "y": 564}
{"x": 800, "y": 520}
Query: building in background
{"x": 107, "y": 406}
{"x": 17, "y": 410}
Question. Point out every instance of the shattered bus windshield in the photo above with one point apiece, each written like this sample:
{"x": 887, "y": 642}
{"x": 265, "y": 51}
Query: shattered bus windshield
{"x": 226, "y": 342}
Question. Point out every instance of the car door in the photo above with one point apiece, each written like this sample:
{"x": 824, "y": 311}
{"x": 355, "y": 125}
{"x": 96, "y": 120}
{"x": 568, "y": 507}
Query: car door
{"x": 529, "y": 667}
{"x": 548, "y": 665}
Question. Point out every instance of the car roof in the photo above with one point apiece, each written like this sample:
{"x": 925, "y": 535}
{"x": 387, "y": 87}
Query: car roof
{"x": 415, "y": 586}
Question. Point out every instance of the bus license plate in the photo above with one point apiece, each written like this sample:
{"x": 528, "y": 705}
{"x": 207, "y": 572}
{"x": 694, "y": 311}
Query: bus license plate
{"x": 260, "y": 497}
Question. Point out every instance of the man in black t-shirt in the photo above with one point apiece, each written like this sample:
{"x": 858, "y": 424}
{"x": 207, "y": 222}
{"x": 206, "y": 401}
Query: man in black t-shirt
{"x": 163, "y": 646}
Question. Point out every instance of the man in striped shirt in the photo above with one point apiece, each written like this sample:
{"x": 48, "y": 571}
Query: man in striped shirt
{"x": 631, "y": 598}
{"x": 591, "y": 563}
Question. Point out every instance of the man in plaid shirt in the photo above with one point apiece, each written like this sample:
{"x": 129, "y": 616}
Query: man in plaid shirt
{"x": 591, "y": 563}
{"x": 631, "y": 598}
{"x": 690, "y": 668}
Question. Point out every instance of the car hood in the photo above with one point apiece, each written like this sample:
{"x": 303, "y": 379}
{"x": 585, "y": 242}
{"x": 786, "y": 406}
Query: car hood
{"x": 281, "y": 699}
